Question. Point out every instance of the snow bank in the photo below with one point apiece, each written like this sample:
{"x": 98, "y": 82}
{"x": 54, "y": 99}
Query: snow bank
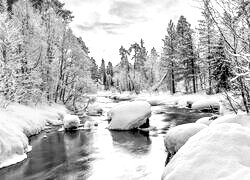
{"x": 206, "y": 104}
{"x": 216, "y": 152}
{"x": 123, "y": 97}
{"x": 130, "y": 115}
{"x": 54, "y": 113}
{"x": 206, "y": 120}
{"x": 71, "y": 121}
{"x": 177, "y": 136}
{"x": 17, "y": 123}
{"x": 241, "y": 119}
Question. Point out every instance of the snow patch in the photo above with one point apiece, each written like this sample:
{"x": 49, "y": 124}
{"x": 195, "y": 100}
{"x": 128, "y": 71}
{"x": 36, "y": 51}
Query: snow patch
{"x": 14, "y": 159}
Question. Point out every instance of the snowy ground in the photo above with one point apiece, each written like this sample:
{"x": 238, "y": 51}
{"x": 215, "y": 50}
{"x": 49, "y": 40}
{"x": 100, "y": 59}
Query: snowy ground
{"x": 18, "y": 122}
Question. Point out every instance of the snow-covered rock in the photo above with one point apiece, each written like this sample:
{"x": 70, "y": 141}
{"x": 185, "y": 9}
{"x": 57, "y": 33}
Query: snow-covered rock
{"x": 155, "y": 101}
{"x": 206, "y": 120}
{"x": 71, "y": 121}
{"x": 206, "y": 104}
{"x": 177, "y": 136}
{"x": 88, "y": 125}
{"x": 94, "y": 110}
{"x": 216, "y": 152}
{"x": 123, "y": 97}
{"x": 241, "y": 119}
{"x": 130, "y": 115}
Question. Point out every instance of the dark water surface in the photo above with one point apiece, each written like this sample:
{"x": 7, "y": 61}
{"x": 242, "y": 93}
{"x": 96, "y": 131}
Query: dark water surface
{"x": 100, "y": 154}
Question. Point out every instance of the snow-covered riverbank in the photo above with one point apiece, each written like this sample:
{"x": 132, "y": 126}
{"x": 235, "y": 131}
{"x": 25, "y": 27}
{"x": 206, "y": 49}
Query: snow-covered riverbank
{"x": 18, "y": 122}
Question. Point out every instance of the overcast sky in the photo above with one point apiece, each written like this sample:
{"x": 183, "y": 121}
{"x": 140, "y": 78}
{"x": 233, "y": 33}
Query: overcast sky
{"x": 105, "y": 25}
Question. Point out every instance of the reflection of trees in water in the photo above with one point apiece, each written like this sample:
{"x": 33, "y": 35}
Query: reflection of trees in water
{"x": 46, "y": 154}
{"x": 15, "y": 171}
{"x": 132, "y": 141}
{"x": 178, "y": 116}
{"x": 57, "y": 156}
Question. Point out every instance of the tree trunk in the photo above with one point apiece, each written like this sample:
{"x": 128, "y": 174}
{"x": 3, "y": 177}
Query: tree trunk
{"x": 155, "y": 87}
{"x": 173, "y": 78}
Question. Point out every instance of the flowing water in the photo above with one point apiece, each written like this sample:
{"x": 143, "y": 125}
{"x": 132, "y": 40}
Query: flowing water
{"x": 98, "y": 153}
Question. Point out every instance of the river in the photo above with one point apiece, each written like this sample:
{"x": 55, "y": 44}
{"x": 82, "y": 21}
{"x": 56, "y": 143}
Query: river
{"x": 99, "y": 153}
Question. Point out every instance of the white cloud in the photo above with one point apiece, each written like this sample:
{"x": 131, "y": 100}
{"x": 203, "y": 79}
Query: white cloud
{"x": 105, "y": 25}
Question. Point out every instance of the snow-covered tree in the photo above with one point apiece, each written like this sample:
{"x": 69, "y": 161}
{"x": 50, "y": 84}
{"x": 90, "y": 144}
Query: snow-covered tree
{"x": 186, "y": 53}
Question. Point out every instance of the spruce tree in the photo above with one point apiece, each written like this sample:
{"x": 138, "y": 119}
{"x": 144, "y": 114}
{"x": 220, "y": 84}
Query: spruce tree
{"x": 102, "y": 73}
{"x": 110, "y": 75}
{"x": 221, "y": 68}
{"x": 94, "y": 70}
{"x": 186, "y": 53}
{"x": 168, "y": 60}
{"x": 207, "y": 37}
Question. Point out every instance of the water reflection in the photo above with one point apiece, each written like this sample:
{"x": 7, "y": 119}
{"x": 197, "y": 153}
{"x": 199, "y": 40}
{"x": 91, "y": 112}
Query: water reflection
{"x": 131, "y": 141}
{"x": 56, "y": 156}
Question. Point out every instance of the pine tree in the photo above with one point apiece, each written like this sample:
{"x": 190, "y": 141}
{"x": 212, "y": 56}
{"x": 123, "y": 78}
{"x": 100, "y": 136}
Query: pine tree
{"x": 151, "y": 67}
{"x": 110, "y": 74}
{"x": 207, "y": 35}
{"x": 168, "y": 59}
{"x": 139, "y": 57}
{"x": 221, "y": 70}
{"x": 186, "y": 53}
{"x": 10, "y": 59}
{"x": 94, "y": 70}
{"x": 125, "y": 81}
{"x": 103, "y": 75}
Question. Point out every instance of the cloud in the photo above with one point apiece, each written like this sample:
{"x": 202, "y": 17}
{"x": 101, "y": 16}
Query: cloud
{"x": 110, "y": 28}
{"x": 128, "y": 11}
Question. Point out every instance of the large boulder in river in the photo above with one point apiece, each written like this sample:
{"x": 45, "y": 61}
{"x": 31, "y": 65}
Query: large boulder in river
{"x": 206, "y": 105}
{"x": 131, "y": 115}
{"x": 71, "y": 122}
{"x": 177, "y": 136}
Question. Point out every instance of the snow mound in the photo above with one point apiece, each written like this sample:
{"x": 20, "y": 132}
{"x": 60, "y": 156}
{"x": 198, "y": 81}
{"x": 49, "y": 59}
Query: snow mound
{"x": 29, "y": 119}
{"x": 155, "y": 101}
{"x": 71, "y": 121}
{"x": 217, "y": 152}
{"x": 130, "y": 115}
{"x": 241, "y": 119}
{"x": 177, "y": 136}
{"x": 54, "y": 113}
{"x": 206, "y": 104}
{"x": 206, "y": 120}
{"x": 123, "y": 97}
